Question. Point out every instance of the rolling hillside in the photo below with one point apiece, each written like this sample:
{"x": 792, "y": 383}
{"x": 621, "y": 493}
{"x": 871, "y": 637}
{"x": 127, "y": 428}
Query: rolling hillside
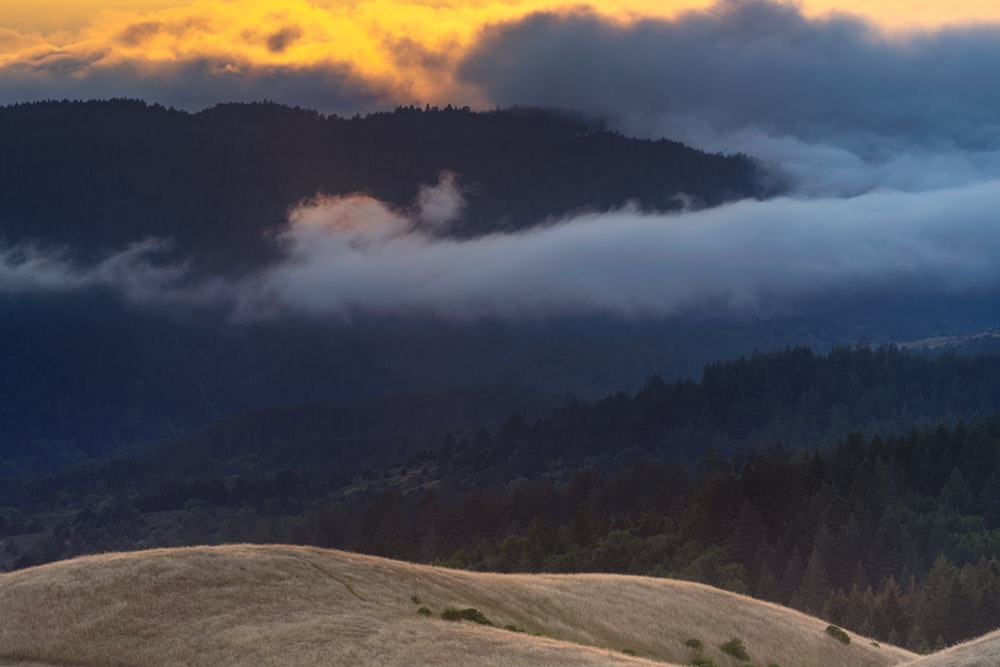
{"x": 980, "y": 652}
{"x": 297, "y": 605}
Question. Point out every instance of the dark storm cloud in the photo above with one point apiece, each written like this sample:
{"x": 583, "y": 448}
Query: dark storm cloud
{"x": 760, "y": 75}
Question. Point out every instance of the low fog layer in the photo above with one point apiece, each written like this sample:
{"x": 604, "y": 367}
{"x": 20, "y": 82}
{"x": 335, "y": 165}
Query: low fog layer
{"x": 342, "y": 255}
{"x": 747, "y": 257}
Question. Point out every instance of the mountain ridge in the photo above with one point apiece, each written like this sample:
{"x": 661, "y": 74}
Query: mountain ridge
{"x": 90, "y": 176}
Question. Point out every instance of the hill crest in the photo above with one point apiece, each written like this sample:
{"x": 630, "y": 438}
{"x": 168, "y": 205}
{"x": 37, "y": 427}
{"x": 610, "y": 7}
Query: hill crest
{"x": 301, "y": 605}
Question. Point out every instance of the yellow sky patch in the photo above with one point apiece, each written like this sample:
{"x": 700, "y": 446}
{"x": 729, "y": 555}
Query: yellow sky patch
{"x": 459, "y": 15}
{"x": 405, "y": 46}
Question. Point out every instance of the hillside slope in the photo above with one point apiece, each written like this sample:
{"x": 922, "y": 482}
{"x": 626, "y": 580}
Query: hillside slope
{"x": 297, "y": 605}
{"x": 980, "y": 652}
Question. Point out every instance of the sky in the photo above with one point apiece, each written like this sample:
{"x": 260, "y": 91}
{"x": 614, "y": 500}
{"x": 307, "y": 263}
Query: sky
{"x": 882, "y": 116}
{"x": 363, "y": 51}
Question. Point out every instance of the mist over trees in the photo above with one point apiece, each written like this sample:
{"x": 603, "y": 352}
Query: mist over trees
{"x": 96, "y": 175}
{"x": 89, "y": 373}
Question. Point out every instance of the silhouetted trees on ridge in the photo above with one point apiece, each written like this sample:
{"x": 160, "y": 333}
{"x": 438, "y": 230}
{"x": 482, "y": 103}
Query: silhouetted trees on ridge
{"x": 95, "y": 175}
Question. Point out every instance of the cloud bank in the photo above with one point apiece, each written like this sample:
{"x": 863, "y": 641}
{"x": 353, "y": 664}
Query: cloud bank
{"x": 355, "y": 254}
{"x": 837, "y": 103}
{"x": 346, "y": 255}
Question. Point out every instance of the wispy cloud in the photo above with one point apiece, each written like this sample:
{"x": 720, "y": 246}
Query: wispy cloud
{"x": 143, "y": 272}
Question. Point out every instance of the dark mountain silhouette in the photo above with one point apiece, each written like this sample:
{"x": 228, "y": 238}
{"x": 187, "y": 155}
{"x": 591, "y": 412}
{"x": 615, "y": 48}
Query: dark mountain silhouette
{"x": 95, "y": 175}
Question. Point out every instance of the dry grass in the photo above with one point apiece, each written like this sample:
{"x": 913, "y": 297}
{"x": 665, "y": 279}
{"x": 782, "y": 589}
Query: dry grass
{"x": 981, "y": 652}
{"x": 271, "y": 605}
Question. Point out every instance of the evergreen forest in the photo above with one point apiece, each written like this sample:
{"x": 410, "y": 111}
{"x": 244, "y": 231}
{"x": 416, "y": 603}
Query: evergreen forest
{"x": 862, "y": 485}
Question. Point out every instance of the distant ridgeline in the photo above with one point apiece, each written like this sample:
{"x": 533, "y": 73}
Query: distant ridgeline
{"x": 94, "y": 175}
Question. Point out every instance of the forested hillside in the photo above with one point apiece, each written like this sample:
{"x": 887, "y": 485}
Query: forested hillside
{"x": 862, "y": 485}
{"x": 87, "y": 376}
{"x": 93, "y": 369}
{"x": 96, "y": 175}
{"x": 89, "y": 372}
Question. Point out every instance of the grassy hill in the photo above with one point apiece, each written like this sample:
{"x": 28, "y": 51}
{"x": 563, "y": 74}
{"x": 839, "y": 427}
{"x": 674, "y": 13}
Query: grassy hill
{"x": 298, "y": 605}
{"x": 980, "y": 652}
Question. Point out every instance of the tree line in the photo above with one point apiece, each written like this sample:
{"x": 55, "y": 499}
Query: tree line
{"x": 99, "y": 174}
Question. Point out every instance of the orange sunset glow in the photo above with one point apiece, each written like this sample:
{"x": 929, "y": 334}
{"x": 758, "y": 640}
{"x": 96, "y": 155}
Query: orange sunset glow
{"x": 405, "y": 49}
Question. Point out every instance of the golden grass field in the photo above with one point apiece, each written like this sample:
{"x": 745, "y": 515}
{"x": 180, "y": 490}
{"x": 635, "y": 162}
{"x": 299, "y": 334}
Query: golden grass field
{"x": 981, "y": 652}
{"x": 284, "y": 605}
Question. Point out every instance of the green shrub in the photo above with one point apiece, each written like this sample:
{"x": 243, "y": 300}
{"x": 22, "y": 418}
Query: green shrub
{"x": 415, "y": 599}
{"x": 469, "y": 614}
{"x": 628, "y": 651}
{"x": 838, "y": 634}
{"x": 475, "y": 616}
{"x": 424, "y": 611}
{"x": 702, "y": 661}
{"x": 513, "y": 628}
{"x": 735, "y": 648}
{"x": 694, "y": 644}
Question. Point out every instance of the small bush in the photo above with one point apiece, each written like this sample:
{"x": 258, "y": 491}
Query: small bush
{"x": 735, "y": 648}
{"x": 415, "y": 599}
{"x": 773, "y": 664}
{"x": 469, "y": 614}
{"x": 694, "y": 644}
{"x": 513, "y": 628}
{"x": 702, "y": 661}
{"x": 476, "y": 616}
{"x": 876, "y": 645}
{"x": 628, "y": 651}
{"x": 424, "y": 611}
{"x": 838, "y": 634}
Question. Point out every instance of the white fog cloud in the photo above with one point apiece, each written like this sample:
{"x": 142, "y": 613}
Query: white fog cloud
{"x": 345, "y": 255}
{"x": 749, "y": 256}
